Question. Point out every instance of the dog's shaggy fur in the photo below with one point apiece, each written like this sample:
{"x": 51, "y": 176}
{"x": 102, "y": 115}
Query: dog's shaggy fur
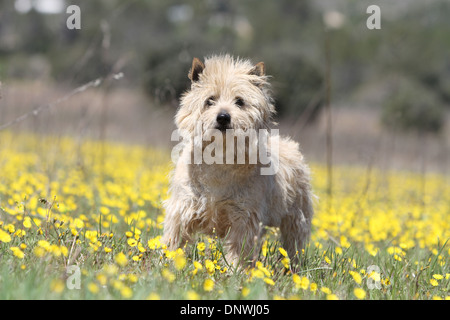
{"x": 234, "y": 201}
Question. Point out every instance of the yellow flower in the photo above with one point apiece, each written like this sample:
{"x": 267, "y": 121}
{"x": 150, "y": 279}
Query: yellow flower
{"x": 269, "y": 281}
{"x": 208, "y": 285}
{"x": 39, "y": 252}
{"x": 261, "y": 267}
{"x": 64, "y": 251}
{"x": 210, "y": 267}
{"x": 325, "y": 290}
{"x": 153, "y": 296}
{"x": 111, "y": 269}
{"x": 57, "y": 286}
{"x": 104, "y": 210}
{"x": 397, "y": 257}
{"x": 386, "y": 282}
{"x": 133, "y": 278}
{"x": 154, "y": 243}
{"x": 102, "y": 279}
{"x": 197, "y": 265}
{"x": 256, "y": 273}
{"x": 107, "y": 250}
{"x": 245, "y": 291}
{"x": 313, "y": 286}
{"x": 438, "y": 276}
{"x": 17, "y": 252}
{"x": 126, "y": 292}
{"x": 356, "y": 276}
{"x": 93, "y": 288}
{"x": 78, "y": 223}
{"x": 121, "y": 259}
{"x": 55, "y": 250}
{"x": 169, "y": 276}
{"x": 4, "y": 237}
{"x": 264, "y": 249}
{"x": 285, "y": 261}
{"x": 434, "y": 282}
{"x": 283, "y": 252}
{"x": 179, "y": 261}
{"x": 332, "y": 297}
{"x": 300, "y": 282}
{"x": 132, "y": 242}
{"x": 20, "y": 233}
{"x": 11, "y": 228}
{"x": 359, "y": 293}
{"x": 43, "y": 244}
{"x": 27, "y": 222}
{"x": 344, "y": 242}
{"x": 201, "y": 246}
{"x": 192, "y": 295}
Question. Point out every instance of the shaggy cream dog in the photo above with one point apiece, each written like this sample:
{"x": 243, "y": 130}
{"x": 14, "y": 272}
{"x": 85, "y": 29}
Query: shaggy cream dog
{"x": 215, "y": 191}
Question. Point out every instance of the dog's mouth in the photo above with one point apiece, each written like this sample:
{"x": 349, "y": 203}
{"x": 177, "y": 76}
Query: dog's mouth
{"x": 222, "y": 127}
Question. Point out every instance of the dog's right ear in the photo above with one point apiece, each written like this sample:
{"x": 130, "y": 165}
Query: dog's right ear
{"x": 196, "y": 69}
{"x": 259, "y": 69}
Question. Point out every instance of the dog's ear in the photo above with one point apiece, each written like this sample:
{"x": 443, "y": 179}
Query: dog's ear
{"x": 259, "y": 69}
{"x": 196, "y": 69}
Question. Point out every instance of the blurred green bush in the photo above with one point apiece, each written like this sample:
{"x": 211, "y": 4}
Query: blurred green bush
{"x": 153, "y": 43}
{"x": 411, "y": 106}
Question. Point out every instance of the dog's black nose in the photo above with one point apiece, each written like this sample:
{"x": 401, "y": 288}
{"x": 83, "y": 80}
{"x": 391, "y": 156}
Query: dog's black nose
{"x": 223, "y": 118}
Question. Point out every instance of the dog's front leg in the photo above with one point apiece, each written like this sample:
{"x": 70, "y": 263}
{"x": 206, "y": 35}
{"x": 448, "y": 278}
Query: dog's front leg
{"x": 244, "y": 242}
{"x": 175, "y": 232}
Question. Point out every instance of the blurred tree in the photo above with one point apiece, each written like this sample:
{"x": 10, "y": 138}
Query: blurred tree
{"x": 160, "y": 38}
{"x": 413, "y": 107}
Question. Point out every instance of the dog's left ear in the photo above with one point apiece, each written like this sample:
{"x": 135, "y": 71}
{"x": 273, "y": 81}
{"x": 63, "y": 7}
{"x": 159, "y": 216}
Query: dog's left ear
{"x": 196, "y": 69}
{"x": 259, "y": 69}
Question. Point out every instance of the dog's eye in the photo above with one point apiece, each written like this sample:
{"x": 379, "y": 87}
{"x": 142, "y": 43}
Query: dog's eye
{"x": 210, "y": 101}
{"x": 239, "y": 102}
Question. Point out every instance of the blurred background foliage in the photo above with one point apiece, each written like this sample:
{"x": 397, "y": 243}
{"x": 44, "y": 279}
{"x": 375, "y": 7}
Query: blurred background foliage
{"x": 402, "y": 69}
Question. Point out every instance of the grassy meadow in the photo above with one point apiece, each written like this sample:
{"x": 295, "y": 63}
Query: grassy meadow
{"x": 82, "y": 219}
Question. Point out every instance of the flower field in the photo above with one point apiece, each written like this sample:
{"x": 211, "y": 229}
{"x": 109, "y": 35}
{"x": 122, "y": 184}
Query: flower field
{"x": 83, "y": 219}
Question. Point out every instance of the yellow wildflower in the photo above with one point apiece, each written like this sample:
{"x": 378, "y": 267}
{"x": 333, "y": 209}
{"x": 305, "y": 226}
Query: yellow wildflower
{"x": 283, "y": 252}
{"x": 4, "y": 237}
{"x": 93, "y": 288}
{"x": 121, "y": 259}
{"x": 169, "y": 276}
{"x": 359, "y": 293}
{"x": 17, "y": 252}
{"x": 208, "y": 285}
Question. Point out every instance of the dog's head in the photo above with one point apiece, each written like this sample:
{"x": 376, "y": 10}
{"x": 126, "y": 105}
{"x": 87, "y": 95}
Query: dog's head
{"x": 226, "y": 93}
